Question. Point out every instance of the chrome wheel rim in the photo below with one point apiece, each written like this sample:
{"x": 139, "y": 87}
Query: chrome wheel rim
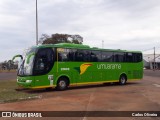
{"x": 123, "y": 80}
{"x": 62, "y": 84}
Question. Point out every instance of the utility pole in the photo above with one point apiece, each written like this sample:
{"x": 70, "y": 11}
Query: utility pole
{"x": 36, "y": 24}
{"x": 154, "y": 64}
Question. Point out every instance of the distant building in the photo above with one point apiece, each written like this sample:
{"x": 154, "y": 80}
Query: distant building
{"x": 149, "y": 61}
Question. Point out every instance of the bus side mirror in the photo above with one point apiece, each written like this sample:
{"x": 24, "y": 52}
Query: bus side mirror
{"x": 29, "y": 56}
{"x": 17, "y": 56}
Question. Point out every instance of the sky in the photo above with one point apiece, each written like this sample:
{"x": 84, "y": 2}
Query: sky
{"x": 121, "y": 24}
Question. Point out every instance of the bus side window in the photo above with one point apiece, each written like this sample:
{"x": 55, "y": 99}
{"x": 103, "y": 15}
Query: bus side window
{"x": 78, "y": 56}
{"x": 82, "y": 55}
{"x": 66, "y": 55}
{"x": 60, "y": 57}
{"x": 129, "y": 57}
{"x": 86, "y": 54}
{"x": 137, "y": 57}
{"x": 107, "y": 56}
{"x": 119, "y": 57}
{"x": 95, "y": 56}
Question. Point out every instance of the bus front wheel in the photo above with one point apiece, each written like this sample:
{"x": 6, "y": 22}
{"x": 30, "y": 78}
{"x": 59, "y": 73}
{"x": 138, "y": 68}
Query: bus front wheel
{"x": 122, "y": 80}
{"x": 62, "y": 84}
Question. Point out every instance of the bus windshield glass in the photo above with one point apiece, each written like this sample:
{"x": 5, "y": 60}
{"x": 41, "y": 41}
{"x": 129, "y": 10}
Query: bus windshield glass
{"x": 26, "y": 68}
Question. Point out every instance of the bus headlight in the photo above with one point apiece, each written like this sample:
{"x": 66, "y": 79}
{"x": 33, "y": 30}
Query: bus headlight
{"x": 28, "y": 81}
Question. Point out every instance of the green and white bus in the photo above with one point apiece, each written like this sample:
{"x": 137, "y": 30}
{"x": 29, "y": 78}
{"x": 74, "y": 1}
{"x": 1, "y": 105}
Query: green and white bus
{"x": 64, "y": 64}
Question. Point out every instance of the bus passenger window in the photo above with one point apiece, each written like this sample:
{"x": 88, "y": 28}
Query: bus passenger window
{"x": 129, "y": 57}
{"x": 66, "y": 55}
{"x": 86, "y": 54}
{"x": 119, "y": 57}
{"x": 137, "y": 57}
{"x": 96, "y": 56}
{"x": 78, "y": 56}
{"x": 107, "y": 56}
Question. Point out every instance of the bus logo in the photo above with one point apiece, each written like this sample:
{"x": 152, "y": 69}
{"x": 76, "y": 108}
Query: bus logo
{"x": 84, "y": 67}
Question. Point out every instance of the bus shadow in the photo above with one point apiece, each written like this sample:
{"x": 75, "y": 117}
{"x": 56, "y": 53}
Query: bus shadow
{"x": 101, "y": 85}
{"x": 36, "y": 91}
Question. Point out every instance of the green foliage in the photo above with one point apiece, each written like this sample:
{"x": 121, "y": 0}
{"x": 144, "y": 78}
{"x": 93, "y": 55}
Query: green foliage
{"x": 60, "y": 38}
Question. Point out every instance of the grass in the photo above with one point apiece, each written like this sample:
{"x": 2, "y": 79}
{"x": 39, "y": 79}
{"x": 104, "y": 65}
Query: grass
{"x": 8, "y": 92}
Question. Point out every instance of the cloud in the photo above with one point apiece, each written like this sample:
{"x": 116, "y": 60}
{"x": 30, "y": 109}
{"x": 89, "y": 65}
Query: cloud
{"x": 121, "y": 24}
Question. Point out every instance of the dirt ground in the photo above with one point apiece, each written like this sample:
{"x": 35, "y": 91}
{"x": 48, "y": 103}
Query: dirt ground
{"x": 143, "y": 95}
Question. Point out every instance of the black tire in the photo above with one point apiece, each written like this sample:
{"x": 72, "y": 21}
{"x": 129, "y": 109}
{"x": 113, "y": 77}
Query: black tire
{"x": 122, "y": 80}
{"x": 62, "y": 84}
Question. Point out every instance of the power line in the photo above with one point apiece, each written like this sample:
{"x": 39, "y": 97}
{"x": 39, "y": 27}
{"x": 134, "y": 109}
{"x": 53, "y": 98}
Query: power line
{"x": 147, "y": 49}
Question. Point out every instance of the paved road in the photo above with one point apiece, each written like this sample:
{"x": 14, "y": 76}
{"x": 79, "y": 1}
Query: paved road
{"x": 8, "y": 76}
{"x": 152, "y": 73}
{"x": 143, "y": 95}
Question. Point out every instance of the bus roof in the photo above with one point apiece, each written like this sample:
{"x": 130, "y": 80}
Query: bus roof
{"x": 80, "y": 46}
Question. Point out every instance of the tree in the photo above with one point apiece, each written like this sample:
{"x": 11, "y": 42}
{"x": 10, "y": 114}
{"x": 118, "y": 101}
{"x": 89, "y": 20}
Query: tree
{"x": 8, "y": 65}
{"x": 60, "y": 38}
{"x": 4, "y": 65}
{"x": 43, "y": 38}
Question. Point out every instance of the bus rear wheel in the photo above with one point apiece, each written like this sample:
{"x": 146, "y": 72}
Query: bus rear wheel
{"x": 122, "y": 80}
{"x": 62, "y": 84}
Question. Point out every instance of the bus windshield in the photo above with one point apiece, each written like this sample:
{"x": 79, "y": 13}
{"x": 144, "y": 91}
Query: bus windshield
{"x": 37, "y": 62}
{"x": 26, "y": 68}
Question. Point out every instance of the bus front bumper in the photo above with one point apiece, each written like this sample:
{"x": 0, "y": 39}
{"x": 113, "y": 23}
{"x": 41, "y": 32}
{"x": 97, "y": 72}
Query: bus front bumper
{"x": 25, "y": 82}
